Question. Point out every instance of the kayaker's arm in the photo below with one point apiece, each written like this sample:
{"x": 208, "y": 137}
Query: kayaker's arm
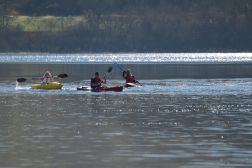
{"x": 138, "y": 83}
{"x": 124, "y": 74}
{"x": 102, "y": 82}
{"x": 40, "y": 78}
{"x": 105, "y": 80}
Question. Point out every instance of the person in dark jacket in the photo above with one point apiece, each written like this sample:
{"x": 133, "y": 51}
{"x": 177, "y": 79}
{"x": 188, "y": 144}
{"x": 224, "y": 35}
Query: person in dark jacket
{"x": 96, "y": 81}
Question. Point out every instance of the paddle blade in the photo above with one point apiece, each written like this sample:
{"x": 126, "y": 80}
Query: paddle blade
{"x": 139, "y": 83}
{"x": 62, "y": 76}
{"x": 110, "y": 69}
{"x": 21, "y": 80}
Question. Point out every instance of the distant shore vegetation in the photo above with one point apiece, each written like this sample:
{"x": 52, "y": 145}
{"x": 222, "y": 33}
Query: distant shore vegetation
{"x": 125, "y": 26}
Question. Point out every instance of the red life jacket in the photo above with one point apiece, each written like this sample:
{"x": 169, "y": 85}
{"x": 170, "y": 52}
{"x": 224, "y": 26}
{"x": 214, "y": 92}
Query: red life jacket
{"x": 130, "y": 79}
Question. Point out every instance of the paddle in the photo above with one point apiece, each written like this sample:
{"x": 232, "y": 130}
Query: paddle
{"x": 61, "y": 76}
{"x": 108, "y": 71}
{"x": 58, "y": 76}
{"x": 120, "y": 68}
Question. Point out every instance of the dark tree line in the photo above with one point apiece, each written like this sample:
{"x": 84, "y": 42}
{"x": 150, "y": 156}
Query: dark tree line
{"x": 135, "y": 26}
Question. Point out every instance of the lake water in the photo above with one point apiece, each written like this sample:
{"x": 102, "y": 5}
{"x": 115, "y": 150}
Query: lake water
{"x": 144, "y": 66}
{"x": 184, "y": 123}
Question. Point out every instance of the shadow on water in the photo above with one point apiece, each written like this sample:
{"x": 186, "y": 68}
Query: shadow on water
{"x": 141, "y": 71}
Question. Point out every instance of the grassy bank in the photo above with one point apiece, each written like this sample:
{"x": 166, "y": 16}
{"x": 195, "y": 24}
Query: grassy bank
{"x": 44, "y": 23}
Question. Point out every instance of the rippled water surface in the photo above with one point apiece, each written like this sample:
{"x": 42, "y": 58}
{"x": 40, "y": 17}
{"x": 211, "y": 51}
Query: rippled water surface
{"x": 165, "y": 123}
{"x": 127, "y": 58}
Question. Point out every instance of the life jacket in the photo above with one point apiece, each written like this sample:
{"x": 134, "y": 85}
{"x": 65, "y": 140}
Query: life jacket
{"x": 95, "y": 82}
{"x": 130, "y": 79}
{"x": 46, "y": 79}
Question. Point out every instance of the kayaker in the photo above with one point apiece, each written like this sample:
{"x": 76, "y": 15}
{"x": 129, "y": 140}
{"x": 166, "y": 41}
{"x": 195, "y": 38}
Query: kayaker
{"x": 96, "y": 82}
{"x": 129, "y": 77}
{"x": 47, "y": 77}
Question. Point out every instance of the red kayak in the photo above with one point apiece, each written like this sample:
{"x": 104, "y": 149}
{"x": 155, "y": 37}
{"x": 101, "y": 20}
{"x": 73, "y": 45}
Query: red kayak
{"x": 102, "y": 89}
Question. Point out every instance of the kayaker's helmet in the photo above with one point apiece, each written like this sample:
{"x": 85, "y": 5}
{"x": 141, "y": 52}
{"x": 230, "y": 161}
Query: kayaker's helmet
{"x": 96, "y": 74}
{"x": 128, "y": 71}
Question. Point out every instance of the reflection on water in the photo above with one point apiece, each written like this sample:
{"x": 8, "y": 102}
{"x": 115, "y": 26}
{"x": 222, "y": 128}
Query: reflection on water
{"x": 126, "y": 58}
{"x": 147, "y": 127}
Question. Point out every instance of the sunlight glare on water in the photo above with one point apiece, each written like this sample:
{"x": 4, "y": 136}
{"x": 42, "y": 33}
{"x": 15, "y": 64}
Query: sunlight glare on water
{"x": 165, "y": 123}
{"x": 127, "y": 58}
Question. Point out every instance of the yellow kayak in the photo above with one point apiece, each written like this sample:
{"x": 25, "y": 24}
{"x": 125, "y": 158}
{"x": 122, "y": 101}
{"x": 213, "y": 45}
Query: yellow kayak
{"x": 50, "y": 85}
